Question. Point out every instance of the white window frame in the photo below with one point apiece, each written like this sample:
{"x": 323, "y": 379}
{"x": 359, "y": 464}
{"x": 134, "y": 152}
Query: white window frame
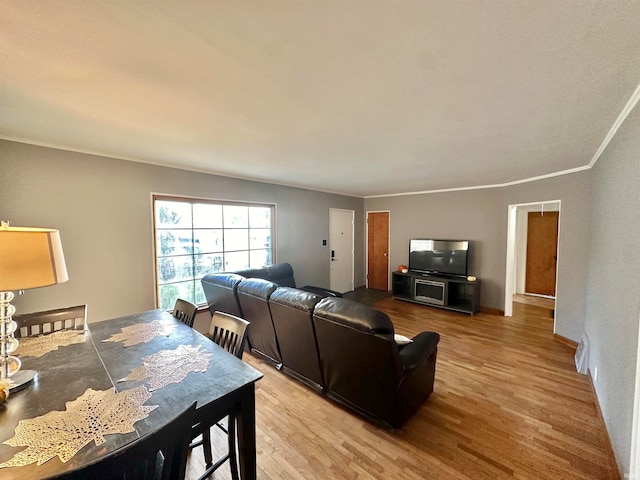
{"x": 196, "y": 278}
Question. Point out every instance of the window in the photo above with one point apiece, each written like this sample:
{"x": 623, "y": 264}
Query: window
{"x": 194, "y": 237}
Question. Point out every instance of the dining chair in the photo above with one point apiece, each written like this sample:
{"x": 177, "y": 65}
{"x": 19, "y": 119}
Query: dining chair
{"x": 159, "y": 455}
{"x": 229, "y": 332}
{"x": 185, "y": 311}
{"x": 49, "y": 321}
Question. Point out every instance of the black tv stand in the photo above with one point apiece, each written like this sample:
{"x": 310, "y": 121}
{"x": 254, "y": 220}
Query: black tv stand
{"x": 448, "y": 292}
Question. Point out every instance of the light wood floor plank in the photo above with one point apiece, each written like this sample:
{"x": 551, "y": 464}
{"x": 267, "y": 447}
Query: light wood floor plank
{"x": 508, "y": 404}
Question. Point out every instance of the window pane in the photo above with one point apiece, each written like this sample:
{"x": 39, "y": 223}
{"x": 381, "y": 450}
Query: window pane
{"x": 208, "y": 264}
{"x": 236, "y": 216}
{"x": 194, "y": 238}
{"x": 165, "y": 243}
{"x": 236, "y": 240}
{"x": 260, "y": 217}
{"x": 207, "y": 241}
{"x": 200, "y": 298}
{"x": 167, "y": 294}
{"x": 260, "y": 238}
{"x": 236, "y": 260}
{"x": 166, "y": 270}
{"x": 174, "y": 242}
{"x": 175, "y": 269}
{"x": 173, "y": 214}
{"x": 259, "y": 258}
{"x": 207, "y": 215}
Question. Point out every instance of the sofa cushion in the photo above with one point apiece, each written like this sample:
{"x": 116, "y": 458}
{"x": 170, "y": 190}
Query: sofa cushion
{"x": 257, "y": 287}
{"x": 280, "y": 273}
{"x": 401, "y": 339}
{"x": 291, "y": 311}
{"x": 355, "y": 315}
{"x": 220, "y": 292}
{"x": 229, "y": 280}
{"x": 295, "y": 298}
{"x": 253, "y": 297}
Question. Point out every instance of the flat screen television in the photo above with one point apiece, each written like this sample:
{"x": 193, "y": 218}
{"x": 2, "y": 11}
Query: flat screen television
{"x": 443, "y": 257}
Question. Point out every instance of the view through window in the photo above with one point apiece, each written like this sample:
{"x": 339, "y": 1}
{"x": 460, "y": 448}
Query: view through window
{"x": 194, "y": 237}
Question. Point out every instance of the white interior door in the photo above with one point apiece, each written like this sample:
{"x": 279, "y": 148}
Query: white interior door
{"x": 341, "y": 249}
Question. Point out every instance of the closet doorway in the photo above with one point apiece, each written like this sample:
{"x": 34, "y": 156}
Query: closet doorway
{"x": 532, "y": 252}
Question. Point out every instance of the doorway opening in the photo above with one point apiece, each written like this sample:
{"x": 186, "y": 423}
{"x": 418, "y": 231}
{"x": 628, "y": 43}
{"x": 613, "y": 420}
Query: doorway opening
{"x": 532, "y": 255}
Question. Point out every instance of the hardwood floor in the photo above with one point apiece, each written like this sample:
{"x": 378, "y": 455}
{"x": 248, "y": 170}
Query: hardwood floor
{"x": 546, "y": 302}
{"x": 507, "y": 404}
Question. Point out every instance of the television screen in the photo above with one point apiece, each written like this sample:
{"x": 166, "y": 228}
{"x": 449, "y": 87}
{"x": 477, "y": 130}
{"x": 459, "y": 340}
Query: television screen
{"x": 447, "y": 257}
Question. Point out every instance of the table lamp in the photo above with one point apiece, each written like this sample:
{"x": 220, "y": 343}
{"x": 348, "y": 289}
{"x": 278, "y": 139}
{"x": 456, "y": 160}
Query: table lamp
{"x": 29, "y": 258}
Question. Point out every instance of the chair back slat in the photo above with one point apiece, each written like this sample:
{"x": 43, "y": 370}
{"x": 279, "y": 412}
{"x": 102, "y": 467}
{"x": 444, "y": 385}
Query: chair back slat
{"x": 228, "y": 331}
{"x": 185, "y": 311}
{"x": 49, "y": 321}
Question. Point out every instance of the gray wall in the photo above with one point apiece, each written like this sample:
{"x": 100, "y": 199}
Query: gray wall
{"x": 474, "y": 215}
{"x": 598, "y": 265}
{"x": 613, "y": 285}
{"x": 102, "y": 207}
{"x": 574, "y": 192}
{"x": 481, "y": 216}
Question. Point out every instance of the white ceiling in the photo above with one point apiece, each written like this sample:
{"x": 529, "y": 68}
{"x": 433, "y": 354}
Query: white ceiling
{"x": 364, "y": 97}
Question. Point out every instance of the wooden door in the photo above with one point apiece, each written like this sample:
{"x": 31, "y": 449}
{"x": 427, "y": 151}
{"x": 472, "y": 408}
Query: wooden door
{"x": 542, "y": 251}
{"x": 378, "y": 250}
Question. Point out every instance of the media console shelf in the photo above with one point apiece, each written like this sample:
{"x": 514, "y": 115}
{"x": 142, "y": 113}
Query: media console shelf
{"x": 451, "y": 293}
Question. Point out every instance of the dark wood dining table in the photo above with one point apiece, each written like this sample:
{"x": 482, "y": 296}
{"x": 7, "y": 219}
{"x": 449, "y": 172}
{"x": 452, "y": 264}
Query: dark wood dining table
{"x": 66, "y": 373}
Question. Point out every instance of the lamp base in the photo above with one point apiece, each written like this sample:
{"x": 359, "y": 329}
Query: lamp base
{"x": 22, "y": 379}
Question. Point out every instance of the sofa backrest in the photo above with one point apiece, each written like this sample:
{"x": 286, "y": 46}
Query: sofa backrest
{"x": 292, "y": 314}
{"x": 359, "y": 357}
{"x": 220, "y": 292}
{"x": 280, "y": 273}
{"x": 253, "y": 297}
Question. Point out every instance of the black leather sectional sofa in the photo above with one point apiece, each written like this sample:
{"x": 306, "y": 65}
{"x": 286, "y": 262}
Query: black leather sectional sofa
{"x": 342, "y": 349}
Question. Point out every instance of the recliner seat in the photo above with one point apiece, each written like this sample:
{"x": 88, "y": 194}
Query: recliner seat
{"x": 220, "y": 292}
{"x": 338, "y": 347}
{"x": 253, "y": 297}
{"x": 292, "y": 314}
{"x": 282, "y": 274}
{"x": 365, "y": 369}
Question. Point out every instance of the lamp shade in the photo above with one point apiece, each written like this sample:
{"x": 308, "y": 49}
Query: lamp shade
{"x": 30, "y": 258}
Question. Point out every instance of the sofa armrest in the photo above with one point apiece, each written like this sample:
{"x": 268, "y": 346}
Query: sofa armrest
{"x": 323, "y": 292}
{"x": 421, "y": 348}
{"x": 416, "y": 385}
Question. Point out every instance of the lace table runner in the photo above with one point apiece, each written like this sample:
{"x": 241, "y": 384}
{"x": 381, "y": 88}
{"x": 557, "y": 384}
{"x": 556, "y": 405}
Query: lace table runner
{"x": 170, "y": 366}
{"x": 142, "y": 332}
{"x": 91, "y": 416}
{"x": 38, "y": 346}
